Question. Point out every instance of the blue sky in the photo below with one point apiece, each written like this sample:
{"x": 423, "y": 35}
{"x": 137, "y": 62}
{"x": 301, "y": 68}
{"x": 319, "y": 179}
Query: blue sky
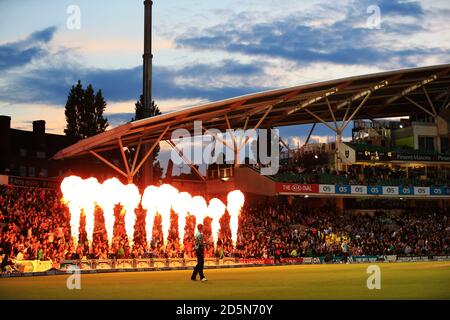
{"x": 204, "y": 50}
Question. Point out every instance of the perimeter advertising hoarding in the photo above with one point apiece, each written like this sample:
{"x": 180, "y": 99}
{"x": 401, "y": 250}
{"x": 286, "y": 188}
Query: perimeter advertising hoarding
{"x": 33, "y": 182}
{"x": 297, "y": 188}
{"x": 360, "y": 190}
{"x": 387, "y": 156}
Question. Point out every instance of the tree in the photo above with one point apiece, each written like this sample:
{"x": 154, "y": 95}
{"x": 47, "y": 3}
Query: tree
{"x": 140, "y": 111}
{"x": 140, "y": 114}
{"x": 84, "y": 112}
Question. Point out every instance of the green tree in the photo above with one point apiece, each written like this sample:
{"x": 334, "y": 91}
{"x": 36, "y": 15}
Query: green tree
{"x": 84, "y": 112}
{"x": 139, "y": 115}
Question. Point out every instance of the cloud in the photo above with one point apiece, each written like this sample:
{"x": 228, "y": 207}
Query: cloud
{"x": 344, "y": 41}
{"x": 403, "y": 8}
{"x": 22, "y": 52}
{"x": 49, "y": 78}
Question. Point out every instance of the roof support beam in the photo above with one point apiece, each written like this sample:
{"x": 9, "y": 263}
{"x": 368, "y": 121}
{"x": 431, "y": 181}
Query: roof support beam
{"x": 429, "y": 100}
{"x": 245, "y": 128}
{"x": 420, "y": 107}
{"x": 217, "y": 138}
{"x": 150, "y": 151}
{"x": 113, "y": 166}
{"x": 311, "y": 101}
{"x": 256, "y": 127}
{"x": 304, "y": 104}
{"x": 331, "y": 112}
{"x": 345, "y": 123}
{"x": 182, "y": 156}
{"x": 233, "y": 137}
{"x": 136, "y": 155}
{"x": 309, "y": 135}
{"x": 363, "y": 93}
{"x": 411, "y": 89}
{"x": 320, "y": 119}
{"x": 125, "y": 161}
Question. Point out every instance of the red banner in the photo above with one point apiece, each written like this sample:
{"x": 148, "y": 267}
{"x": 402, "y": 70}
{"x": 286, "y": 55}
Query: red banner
{"x": 297, "y": 188}
{"x": 270, "y": 261}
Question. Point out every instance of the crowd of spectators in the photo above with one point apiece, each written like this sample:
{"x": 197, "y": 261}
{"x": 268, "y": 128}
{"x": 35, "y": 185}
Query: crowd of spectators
{"x": 34, "y": 225}
{"x": 289, "y": 231}
{"x": 363, "y": 175}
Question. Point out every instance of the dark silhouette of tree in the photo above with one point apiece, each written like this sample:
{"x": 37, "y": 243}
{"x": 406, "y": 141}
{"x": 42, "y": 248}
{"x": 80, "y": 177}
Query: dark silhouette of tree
{"x": 140, "y": 114}
{"x": 84, "y": 112}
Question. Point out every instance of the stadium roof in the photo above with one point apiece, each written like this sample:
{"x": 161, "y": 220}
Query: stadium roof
{"x": 379, "y": 95}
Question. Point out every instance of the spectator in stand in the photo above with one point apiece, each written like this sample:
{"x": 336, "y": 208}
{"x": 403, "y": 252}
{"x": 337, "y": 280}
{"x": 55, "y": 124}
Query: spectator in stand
{"x": 35, "y": 225}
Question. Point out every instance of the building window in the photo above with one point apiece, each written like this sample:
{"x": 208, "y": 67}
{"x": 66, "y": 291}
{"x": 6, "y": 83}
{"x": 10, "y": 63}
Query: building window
{"x": 31, "y": 171}
{"x": 44, "y": 173}
{"x": 426, "y": 144}
{"x": 40, "y": 154}
{"x": 23, "y": 152}
{"x": 23, "y": 171}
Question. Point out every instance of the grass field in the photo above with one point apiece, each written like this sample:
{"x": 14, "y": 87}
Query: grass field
{"x": 422, "y": 280}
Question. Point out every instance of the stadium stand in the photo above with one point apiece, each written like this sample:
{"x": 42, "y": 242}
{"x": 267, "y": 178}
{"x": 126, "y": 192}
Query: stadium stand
{"x": 34, "y": 226}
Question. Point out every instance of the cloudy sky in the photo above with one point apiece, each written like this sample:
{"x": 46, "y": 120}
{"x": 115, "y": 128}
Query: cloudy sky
{"x": 204, "y": 50}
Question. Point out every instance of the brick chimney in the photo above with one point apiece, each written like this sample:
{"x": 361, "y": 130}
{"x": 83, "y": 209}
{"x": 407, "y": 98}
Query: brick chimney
{"x": 39, "y": 127}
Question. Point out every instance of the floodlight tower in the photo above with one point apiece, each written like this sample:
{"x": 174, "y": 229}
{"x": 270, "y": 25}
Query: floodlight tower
{"x": 147, "y": 168}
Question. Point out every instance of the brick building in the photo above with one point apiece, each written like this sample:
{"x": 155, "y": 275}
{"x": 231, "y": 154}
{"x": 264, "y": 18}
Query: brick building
{"x": 28, "y": 154}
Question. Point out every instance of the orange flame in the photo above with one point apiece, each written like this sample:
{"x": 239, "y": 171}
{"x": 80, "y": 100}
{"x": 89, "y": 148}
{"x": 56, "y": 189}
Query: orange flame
{"x": 216, "y": 209}
{"x": 83, "y": 195}
{"x": 130, "y": 200}
{"x": 236, "y": 200}
{"x": 166, "y": 197}
{"x": 149, "y": 201}
{"x": 71, "y": 189}
{"x": 198, "y": 209}
{"x": 90, "y": 191}
{"x": 110, "y": 196}
{"x": 181, "y": 207}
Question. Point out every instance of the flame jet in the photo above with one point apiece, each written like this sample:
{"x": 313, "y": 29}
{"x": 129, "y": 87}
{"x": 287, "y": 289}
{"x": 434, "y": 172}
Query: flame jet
{"x": 90, "y": 192}
{"x": 71, "y": 188}
{"x": 181, "y": 207}
{"x": 235, "y": 202}
{"x": 198, "y": 209}
{"x": 216, "y": 209}
{"x": 149, "y": 201}
{"x": 130, "y": 201}
{"x": 166, "y": 197}
{"x": 110, "y": 196}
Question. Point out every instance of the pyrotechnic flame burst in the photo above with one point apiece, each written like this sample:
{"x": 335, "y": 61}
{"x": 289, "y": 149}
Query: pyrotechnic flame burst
{"x": 130, "y": 201}
{"x": 166, "y": 197}
{"x": 198, "y": 209}
{"x": 149, "y": 201}
{"x": 84, "y": 195}
{"x": 235, "y": 202}
{"x": 71, "y": 189}
{"x": 90, "y": 189}
{"x": 216, "y": 209}
{"x": 109, "y": 197}
{"x": 181, "y": 207}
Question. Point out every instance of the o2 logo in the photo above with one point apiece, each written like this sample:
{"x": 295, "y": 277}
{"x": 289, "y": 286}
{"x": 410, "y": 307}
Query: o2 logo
{"x": 374, "y": 19}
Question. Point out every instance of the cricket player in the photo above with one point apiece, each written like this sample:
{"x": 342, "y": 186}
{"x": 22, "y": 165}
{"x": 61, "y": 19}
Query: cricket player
{"x": 199, "y": 250}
